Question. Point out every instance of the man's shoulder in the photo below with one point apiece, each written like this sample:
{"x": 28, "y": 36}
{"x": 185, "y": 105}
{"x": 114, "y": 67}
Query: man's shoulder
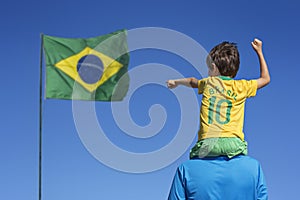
{"x": 242, "y": 159}
{"x": 248, "y": 159}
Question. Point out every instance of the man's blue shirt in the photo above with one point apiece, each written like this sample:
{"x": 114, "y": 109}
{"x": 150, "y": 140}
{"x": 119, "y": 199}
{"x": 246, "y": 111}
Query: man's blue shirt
{"x": 219, "y": 178}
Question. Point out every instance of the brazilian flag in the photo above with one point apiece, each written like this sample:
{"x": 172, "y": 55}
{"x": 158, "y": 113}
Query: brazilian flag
{"x": 87, "y": 69}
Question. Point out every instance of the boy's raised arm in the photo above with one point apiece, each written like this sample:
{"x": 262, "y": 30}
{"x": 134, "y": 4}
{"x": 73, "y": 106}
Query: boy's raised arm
{"x": 189, "y": 82}
{"x": 264, "y": 72}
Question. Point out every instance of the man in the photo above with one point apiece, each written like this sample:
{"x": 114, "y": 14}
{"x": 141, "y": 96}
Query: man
{"x": 219, "y": 178}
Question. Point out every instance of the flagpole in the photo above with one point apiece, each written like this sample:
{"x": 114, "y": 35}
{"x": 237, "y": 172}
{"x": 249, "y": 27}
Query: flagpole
{"x": 40, "y": 121}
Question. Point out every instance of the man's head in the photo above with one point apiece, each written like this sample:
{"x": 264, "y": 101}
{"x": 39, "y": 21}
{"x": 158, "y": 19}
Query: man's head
{"x": 225, "y": 58}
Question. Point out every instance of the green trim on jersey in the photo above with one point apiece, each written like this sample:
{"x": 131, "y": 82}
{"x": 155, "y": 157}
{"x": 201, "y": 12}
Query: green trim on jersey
{"x": 225, "y": 78}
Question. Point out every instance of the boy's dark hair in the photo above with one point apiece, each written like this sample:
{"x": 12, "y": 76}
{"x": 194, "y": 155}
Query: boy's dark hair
{"x": 226, "y": 58}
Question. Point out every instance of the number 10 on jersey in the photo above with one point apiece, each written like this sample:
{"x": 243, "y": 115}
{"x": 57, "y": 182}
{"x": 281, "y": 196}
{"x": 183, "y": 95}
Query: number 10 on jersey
{"x": 215, "y": 113}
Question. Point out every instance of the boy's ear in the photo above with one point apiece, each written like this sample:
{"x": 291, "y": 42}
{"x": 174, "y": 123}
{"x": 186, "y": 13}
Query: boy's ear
{"x": 214, "y": 67}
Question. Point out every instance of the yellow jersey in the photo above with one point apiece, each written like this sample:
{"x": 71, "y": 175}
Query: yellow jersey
{"x": 222, "y": 106}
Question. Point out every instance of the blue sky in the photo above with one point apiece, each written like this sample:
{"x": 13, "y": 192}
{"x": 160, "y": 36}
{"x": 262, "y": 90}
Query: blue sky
{"x": 69, "y": 170}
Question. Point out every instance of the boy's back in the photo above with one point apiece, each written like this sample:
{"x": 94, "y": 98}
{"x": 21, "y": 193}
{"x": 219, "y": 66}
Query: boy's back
{"x": 222, "y": 107}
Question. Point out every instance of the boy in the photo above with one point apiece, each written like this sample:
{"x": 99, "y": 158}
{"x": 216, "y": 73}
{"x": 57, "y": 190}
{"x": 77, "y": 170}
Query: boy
{"x": 222, "y": 106}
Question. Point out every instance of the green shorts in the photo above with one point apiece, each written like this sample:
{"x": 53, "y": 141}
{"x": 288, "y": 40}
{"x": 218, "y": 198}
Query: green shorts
{"x": 212, "y": 147}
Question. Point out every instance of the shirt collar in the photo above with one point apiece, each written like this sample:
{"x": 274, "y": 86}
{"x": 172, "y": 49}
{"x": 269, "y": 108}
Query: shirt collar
{"x": 226, "y": 78}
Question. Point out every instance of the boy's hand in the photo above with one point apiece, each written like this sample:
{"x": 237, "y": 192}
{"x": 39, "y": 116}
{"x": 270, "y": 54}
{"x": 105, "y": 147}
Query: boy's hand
{"x": 172, "y": 84}
{"x": 257, "y": 45}
{"x": 264, "y": 78}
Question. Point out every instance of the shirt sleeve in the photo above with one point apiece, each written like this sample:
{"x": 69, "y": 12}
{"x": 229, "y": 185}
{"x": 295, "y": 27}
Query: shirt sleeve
{"x": 177, "y": 191}
{"x": 201, "y": 85}
{"x": 251, "y": 88}
{"x": 262, "y": 193}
